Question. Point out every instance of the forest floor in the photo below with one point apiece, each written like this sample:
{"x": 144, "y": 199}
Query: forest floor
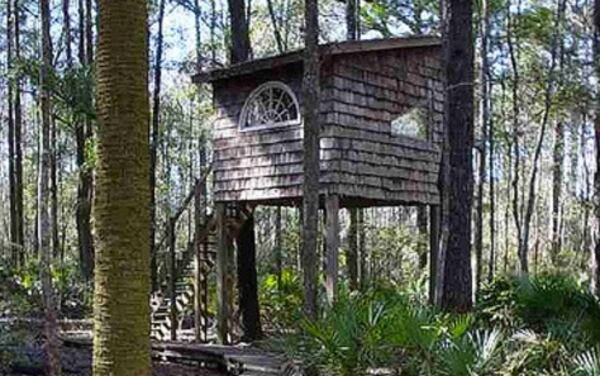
{"x": 78, "y": 362}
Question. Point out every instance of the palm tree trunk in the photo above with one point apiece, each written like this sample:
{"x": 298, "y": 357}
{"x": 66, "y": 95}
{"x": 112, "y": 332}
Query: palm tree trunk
{"x": 122, "y": 210}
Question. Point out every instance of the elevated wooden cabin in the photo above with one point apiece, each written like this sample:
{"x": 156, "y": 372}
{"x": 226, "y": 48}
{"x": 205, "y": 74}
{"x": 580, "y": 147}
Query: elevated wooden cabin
{"x": 381, "y": 123}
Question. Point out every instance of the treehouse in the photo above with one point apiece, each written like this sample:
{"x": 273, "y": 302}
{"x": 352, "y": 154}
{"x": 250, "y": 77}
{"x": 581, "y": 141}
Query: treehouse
{"x": 381, "y": 123}
{"x": 381, "y": 110}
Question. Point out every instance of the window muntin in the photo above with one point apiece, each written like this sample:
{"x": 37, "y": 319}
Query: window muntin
{"x": 272, "y": 104}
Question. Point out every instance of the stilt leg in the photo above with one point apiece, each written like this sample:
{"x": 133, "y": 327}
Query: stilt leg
{"x": 333, "y": 243}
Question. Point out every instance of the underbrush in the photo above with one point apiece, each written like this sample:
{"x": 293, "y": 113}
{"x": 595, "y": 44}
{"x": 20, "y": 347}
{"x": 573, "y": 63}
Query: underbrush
{"x": 541, "y": 326}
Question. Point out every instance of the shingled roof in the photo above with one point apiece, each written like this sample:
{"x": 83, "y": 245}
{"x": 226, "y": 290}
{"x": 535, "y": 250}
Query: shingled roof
{"x": 330, "y": 49}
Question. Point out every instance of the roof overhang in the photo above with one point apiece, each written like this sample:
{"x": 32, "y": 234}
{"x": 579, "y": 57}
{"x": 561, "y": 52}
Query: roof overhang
{"x": 330, "y": 49}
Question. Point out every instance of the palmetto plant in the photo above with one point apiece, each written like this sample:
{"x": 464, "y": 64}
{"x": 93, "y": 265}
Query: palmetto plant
{"x": 588, "y": 363}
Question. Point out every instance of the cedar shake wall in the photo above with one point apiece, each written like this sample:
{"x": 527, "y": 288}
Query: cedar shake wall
{"x": 360, "y": 159}
{"x": 365, "y": 93}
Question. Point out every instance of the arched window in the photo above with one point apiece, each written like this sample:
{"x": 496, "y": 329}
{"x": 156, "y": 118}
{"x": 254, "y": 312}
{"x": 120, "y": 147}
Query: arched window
{"x": 272, "y": 104}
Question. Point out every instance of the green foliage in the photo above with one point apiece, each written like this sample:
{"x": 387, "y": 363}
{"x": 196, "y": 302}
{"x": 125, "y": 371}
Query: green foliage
{"x": 540, "y": 326}
{"x": 281, "y": 304}
{"x": 547, "y": 303}
{"x": 20, "y": 292}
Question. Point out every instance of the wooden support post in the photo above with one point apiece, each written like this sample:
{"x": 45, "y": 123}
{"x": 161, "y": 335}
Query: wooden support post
{"x": 434, "y": 246}
{"x": 200, "y": 322}
{"x": 332, "y": 206}
{"x": 172, "y": 280}
{"x": 223, "y": 269}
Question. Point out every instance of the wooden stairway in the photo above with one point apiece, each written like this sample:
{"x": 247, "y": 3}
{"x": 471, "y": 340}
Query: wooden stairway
{"x": 161, "y": 329}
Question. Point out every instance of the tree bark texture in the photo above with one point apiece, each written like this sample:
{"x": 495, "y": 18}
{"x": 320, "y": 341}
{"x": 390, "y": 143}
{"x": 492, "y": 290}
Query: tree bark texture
{"x": 458, "y": 56}
{"x": 154, "y": 143}
{"x": 311, "y": 94}
{"x": 240, "y": 38}
{"x": 52, "y": 341}
{"x": 122, "y": 210}
{"x": 248, "y": 282}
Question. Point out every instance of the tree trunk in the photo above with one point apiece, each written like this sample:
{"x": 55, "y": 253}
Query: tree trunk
{"x": 154, "y": 142}
{"x": 332, "y": 244}
{"x": 351, "y": 17}
{"x": 240, "y": 39}
{"x": 434, "y": 248}
{"x": 458, "y": 52}
{"x": 197, "y": 30}
{"x": 352, "y": 250}
{"x": 550, "y": 91}
{"x": 516, "y": 174}
{"x": 52, "y": 344}
{"x": 18, "y": 147}
{"x": 557, "y": 181}
{"x": 247, "y": 282}
{"x": 484, "y": 122}
{"x": 122, "y": 210}
{"x": 85, "y": 184}
{"x": 422, "y": 249}
{"x": 11, "y": 138}
{"x": 54, "y": 188}
{"x": 276, "y": 31}
{"x": 311, "y": 95}
{"x": 596, "y": 250}
{"x": 486, "y": 112}
{"x": 278, "y": 250}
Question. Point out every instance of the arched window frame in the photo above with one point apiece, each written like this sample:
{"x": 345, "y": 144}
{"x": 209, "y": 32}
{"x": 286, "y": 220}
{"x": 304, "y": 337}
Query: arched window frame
{"x": 255, "y": 93}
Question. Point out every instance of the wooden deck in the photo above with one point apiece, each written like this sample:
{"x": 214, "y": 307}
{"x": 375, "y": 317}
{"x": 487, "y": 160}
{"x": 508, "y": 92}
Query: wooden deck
{"x": 235, "y": 360}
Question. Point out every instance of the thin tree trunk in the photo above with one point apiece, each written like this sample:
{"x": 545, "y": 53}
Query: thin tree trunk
{"x": 11, "y": 138}
{"x": 492, "y": 259}
{"x": 212, "y": 30}
{"x": 276, "y": 30}
{"x": 484, "y": 123}
{"x": 363, "y": 256}
{"x": 458, "y": 193}
{"x": 197, "y": 30}
{"x": 507, "y": 207}
{"x": 54, "y": 189}
{"x": 154, "y": 142}
{"x": 52, "y": 342}
{"x": 422, "y": 228}
{"x": 522, "y": 254}
{"x": 596, "y": 251}
{"x": 352, "y": 250}
{"x": 84, "y": 188}
{"x": 278, "y": 251}
{"x": 557, "y": 181}
{"x": 122, "y": 210}
{"x": 530, "y": 205}
{"x": 18, "y": 148}
{"x": 311, "y": 95}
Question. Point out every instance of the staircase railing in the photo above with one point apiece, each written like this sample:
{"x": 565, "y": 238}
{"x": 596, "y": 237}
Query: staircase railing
{"x": 203, "y": 227}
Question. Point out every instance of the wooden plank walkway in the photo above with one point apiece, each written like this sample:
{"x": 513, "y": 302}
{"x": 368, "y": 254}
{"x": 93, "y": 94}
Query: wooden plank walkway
{"x": 235, "y": 360}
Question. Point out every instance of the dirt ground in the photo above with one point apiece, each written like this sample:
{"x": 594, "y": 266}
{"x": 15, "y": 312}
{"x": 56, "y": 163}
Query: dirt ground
{"x": 78, "y": 362}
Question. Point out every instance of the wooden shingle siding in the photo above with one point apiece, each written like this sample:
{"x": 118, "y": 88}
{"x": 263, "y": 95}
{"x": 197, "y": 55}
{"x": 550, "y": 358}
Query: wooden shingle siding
{"x": 368, "y": 91}
{"x": 361, "y": 160}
